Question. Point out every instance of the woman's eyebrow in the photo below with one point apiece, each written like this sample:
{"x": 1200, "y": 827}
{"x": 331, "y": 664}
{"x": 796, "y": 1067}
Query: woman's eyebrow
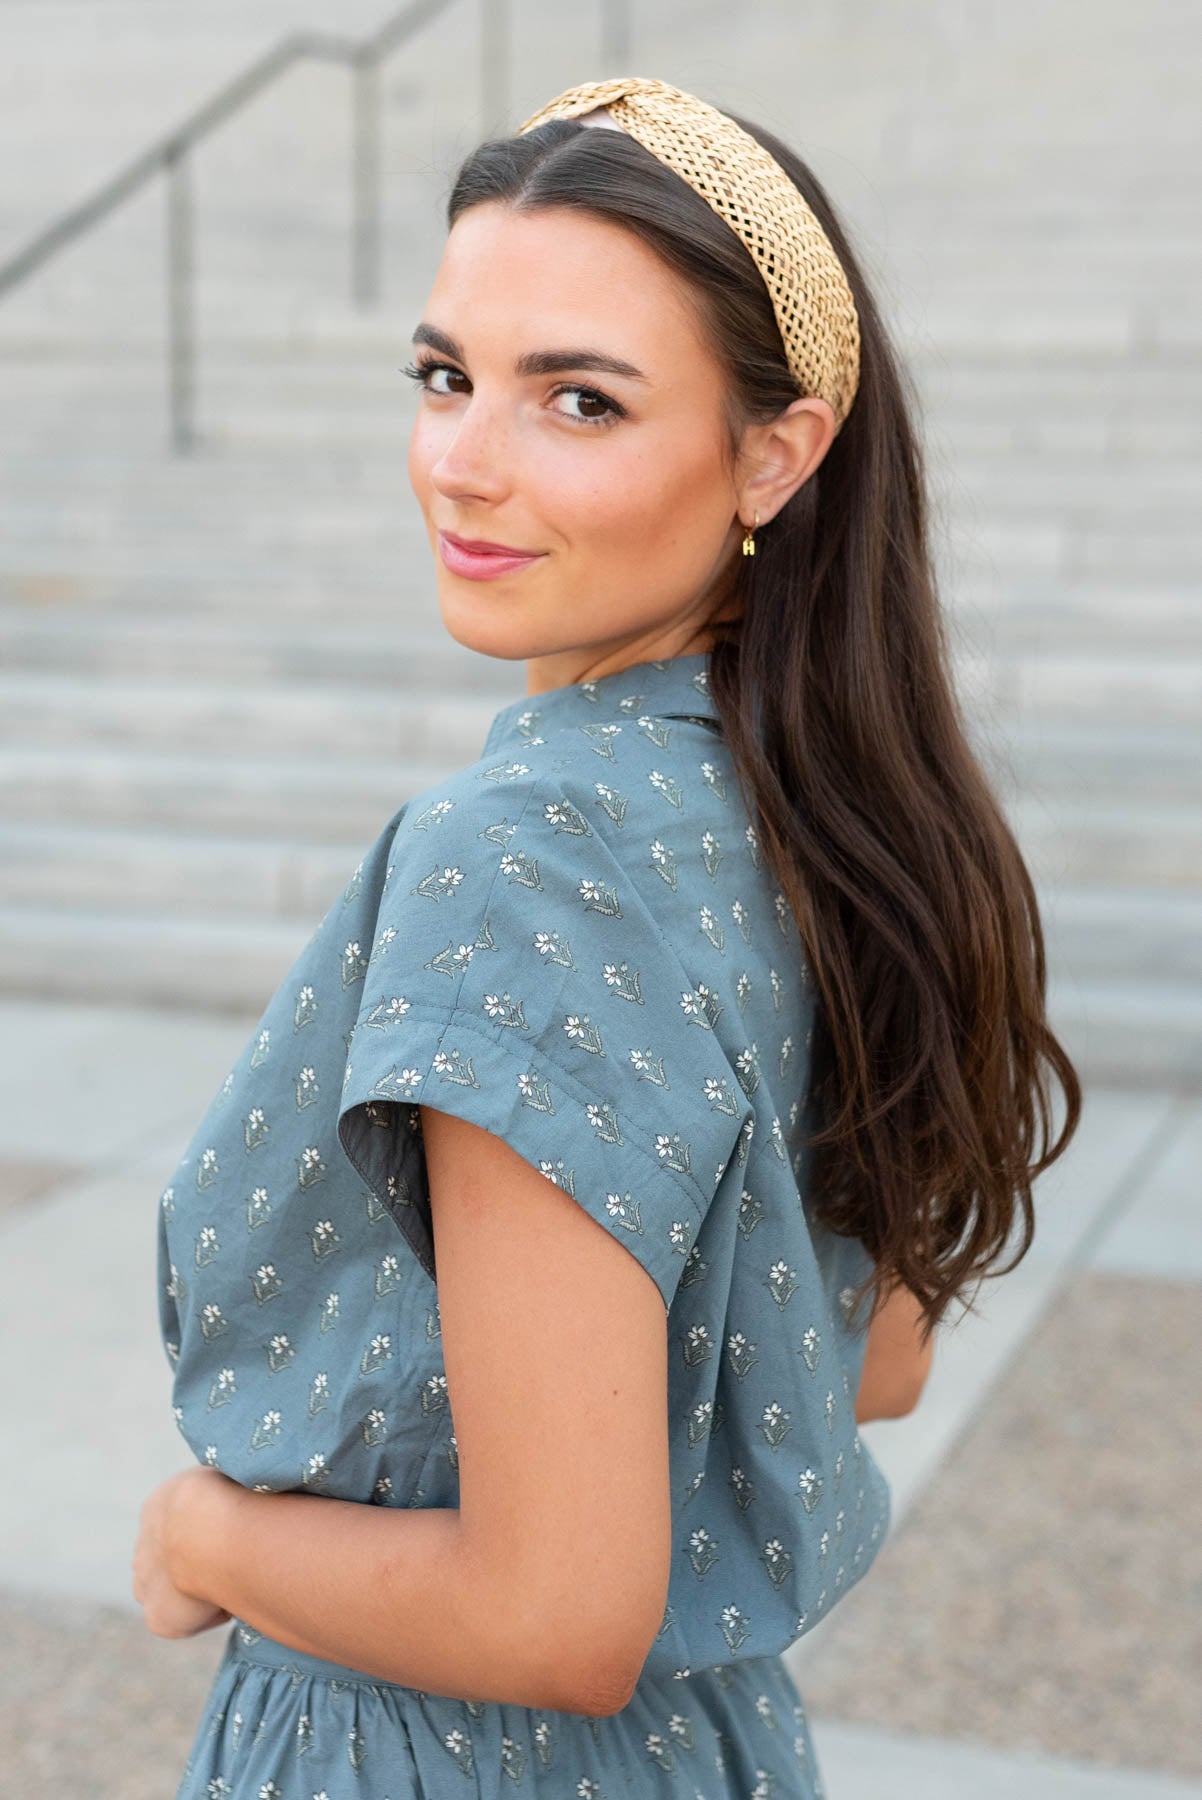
{"x": 536, "y": 362}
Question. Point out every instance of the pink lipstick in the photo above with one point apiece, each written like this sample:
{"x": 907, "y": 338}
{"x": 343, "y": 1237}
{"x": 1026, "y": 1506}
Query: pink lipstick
{"x": 481, "y": 561}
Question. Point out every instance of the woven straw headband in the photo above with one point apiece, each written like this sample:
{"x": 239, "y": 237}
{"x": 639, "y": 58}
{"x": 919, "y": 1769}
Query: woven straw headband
{"x": 813, "y": 303}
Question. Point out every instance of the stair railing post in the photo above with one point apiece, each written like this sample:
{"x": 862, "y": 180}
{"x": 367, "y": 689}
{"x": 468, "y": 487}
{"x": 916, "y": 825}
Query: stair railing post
{"x": 181, "y": 324}
{"x": 365, "y": 90}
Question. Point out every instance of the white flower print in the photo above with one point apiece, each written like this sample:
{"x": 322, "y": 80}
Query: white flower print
{"x": 566, "y": 817}
{"x": 609, "y": 922}
{"x": 435, "y": 813}
{"x": 580, "y": 1030}
{"x": 667, "y": 786}
{"x": 775, "y": 1423}
{"x": 649, "y": 1066}
{"x": 672, "y": 1150}
{"x": 598, "y": 898}
{"x": 625, "y": 1210}
{"x": 383, "y": 942}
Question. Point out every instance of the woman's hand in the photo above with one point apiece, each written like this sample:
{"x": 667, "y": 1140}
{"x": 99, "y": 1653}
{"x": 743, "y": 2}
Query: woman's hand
{"x": 172, "y": 1523}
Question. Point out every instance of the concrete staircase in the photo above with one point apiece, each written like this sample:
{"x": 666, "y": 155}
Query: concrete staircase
{"x": 220, "y": 674}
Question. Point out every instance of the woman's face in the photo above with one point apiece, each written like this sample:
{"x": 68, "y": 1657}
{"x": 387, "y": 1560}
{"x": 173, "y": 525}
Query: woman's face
{"x": 625, "y": 497}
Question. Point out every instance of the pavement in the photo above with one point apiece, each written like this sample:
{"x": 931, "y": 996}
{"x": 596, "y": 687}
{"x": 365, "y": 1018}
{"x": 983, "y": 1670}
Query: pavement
{"x": 1030, "y": 1627}
{"x": 199, "y": 665}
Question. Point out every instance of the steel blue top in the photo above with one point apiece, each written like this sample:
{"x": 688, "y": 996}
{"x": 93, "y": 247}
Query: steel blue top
{"x": 575, "y": 942}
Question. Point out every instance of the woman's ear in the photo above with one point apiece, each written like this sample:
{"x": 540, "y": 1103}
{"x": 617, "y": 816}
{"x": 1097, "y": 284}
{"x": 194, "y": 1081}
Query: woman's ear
{"x": 784, "y": 452}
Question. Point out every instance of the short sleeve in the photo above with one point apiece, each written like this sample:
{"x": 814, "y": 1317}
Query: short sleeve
{"x": 518, "y": 978}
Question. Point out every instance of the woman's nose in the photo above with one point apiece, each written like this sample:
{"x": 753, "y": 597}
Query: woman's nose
{"x": 475, "y": 457}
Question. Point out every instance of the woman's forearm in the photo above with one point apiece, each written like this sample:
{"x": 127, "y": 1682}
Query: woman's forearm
{"x": 391, "y": 1591}
{"x": 897, "y": 1359}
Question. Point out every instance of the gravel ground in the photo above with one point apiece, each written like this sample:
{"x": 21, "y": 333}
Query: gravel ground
{"x": 93, "y": 1704}
{"x": 1046, "y": 1592}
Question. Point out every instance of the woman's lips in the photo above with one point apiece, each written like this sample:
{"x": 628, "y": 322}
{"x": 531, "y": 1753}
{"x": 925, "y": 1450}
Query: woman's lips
{"x": 480, "y": 565}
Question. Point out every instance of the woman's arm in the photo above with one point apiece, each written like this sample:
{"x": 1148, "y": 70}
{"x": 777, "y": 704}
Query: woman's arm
{"x": 390, "y": 1591}
{"x": 547, "y": 1585}
{"x": 349, "y": 1583}
{"x": 896, "y": 1362}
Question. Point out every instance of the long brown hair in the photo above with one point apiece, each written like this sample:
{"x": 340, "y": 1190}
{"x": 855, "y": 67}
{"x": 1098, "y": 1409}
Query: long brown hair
{"x": 929, "y": 1101}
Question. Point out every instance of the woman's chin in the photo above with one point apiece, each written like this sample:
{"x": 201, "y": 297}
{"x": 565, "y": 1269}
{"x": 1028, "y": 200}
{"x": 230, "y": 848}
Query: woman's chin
{"x": 484, "y": 627}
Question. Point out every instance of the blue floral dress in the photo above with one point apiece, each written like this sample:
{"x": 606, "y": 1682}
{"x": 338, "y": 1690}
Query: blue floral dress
{"x": 576, "y": 942}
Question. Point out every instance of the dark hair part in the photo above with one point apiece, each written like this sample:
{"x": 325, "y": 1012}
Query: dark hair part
{"x": 916, "y": 912}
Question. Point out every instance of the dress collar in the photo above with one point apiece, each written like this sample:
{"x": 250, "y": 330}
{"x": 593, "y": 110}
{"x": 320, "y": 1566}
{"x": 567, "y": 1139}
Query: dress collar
{"x": 676, "y": 688}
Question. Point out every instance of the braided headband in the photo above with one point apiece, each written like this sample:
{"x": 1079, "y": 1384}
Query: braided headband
{"x": 813, "y": 303}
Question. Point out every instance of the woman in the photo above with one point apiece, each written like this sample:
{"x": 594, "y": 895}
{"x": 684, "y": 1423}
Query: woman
{"x": 719, "y": 966}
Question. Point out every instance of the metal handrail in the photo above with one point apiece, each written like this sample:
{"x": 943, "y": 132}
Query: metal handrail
{"x": 171, "y": 155}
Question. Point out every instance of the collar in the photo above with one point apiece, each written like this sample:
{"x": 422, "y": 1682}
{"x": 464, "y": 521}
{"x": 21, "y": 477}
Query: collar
{"x": 676, "y": 688}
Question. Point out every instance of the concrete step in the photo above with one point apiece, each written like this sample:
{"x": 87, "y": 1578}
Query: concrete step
{"x": 423, "y": 705}
{"x": 360, "y": 483}
{"x": 351, "y": 363}
{"x": 1135, "y": 933}
{"x": 955, "y": 430}
{"x": 302, "y": 406}
{"x": 224, "y": 966}
{"x": 1094, "y": 260}
{"x": 240, "y": 647}
{"x": 1073, "y": 685}
{"x": 1007, "y": 658}
{"x": 309, "y": 798}
{"x": 1150, "y": 1030}
{"x": 1049, "y": 689}
{"x": 282, "y": 594}
{"x": 1063, "y": 611}
{"x": 319, "y": 326}
{"x": 1081, "y": 492}
{"x": 211, "y": 876}
{"x": 1122, "y": 891}
{"x": 176, "y": 621}
{"x": 1097, "y": 930}
{"x": 301, "y": 348}
{"x": 338, "y": 719}
{"x": 1086, "y": 840}
{"x": 251, "y": 299}
{"x": 1031, "y": 546}
{"x": 199, "y": 566}
{"x": 1135, "y": 1032}
{"x": 387, "y": 540}
{"x": 1086, "y": 489}
{"x": 332, "y": 543}
{"x": 1065, "y": 764}
{"x": 310, "y": 424}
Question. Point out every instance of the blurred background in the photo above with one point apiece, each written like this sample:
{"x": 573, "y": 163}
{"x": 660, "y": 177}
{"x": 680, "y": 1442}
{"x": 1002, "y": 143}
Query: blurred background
{"x": 222, "y": 668}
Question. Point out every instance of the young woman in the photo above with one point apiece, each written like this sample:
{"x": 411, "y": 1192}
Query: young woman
{"x": 624, "y": 1131}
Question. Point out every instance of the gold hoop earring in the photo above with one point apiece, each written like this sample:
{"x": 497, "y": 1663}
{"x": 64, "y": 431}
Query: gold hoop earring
{"x": 749, "y": 538}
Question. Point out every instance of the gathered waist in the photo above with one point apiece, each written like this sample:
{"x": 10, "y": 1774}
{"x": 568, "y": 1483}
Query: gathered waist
{"x": 270, "y": 1703}
{"x": 245, "y": 1644}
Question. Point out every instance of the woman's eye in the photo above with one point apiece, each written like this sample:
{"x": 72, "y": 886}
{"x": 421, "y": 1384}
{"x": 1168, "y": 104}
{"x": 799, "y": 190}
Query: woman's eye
{"x": 591, "y": 397}
{"x": 422, "y": 372}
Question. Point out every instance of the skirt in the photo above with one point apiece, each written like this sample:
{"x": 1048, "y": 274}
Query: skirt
{"x": 279, "y": 1724}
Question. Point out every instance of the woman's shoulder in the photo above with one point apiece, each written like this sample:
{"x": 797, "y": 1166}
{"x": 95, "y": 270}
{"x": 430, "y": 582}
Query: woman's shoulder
{"x": 558, "y": 780}
{"x": 578, "y": 815}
